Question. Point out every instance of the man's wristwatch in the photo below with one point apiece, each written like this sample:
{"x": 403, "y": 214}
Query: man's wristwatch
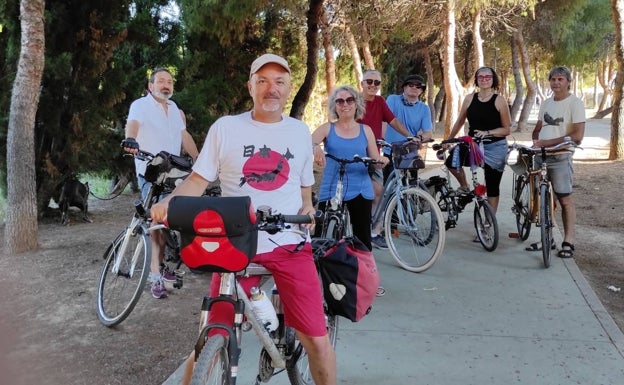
{"x": 567, "y": 139}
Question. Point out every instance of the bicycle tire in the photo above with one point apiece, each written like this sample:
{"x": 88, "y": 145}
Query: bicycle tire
{"x": 486, "y": 225}
{"x": 413, "y": 224}
{"x": 546, "y": 220}
{"x": 118, "y": 292}
{"x": 213, "y": 365}
{"x": 298, "y": 366}
{"x": 521, "y": 190}
{"x": 332, "y": 230}
{"x": 347, "y": 229}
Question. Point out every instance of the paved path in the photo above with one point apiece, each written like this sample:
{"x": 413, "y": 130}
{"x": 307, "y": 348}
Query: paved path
{"x": 477, "y": 318}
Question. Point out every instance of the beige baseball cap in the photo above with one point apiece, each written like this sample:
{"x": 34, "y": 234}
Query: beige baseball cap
{"x": 266, "y": 59}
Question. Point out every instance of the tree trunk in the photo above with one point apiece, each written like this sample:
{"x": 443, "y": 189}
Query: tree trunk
{"x": 529, "y": 99}
{"x": 519, "y": 86}
{"x": 302, "y": 97}
{"x": 452, "y": 85}
{"x": 430, "y": 84}
{"x": 21, "y": 232}
{"x": 328, "y": 48}
{"x": 366, "y": 52}
{"x": 477, "y": 39}
{"x": 355, "y": 55}
{"x": 616, "y": 150}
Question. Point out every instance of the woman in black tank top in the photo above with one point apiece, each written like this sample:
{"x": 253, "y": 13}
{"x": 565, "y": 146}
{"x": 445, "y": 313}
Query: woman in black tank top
{"x": 489, "y": 118}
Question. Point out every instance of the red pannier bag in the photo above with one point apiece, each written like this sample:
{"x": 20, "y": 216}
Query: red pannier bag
{"x": 218, "y": 234}
{"x": 349, "y": 276}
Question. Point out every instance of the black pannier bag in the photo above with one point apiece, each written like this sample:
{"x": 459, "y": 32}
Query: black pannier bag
{"x": 218, "y": 234}
{"x": 167, "y": 170}
{"x": 405, "y": 155}
{"x": 348, "y": 274}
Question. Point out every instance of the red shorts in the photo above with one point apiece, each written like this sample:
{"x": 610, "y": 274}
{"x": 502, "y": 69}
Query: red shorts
{"x": 299, "y": 287}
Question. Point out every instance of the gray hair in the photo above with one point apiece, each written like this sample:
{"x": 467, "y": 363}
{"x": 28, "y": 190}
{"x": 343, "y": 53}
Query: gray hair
{"x": 331, "y": 102}
{"x": 152, "y": 78}
{"x": 561, "y": 70}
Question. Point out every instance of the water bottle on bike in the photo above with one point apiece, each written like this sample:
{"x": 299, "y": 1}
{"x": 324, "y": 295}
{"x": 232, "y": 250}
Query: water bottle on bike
{"x": 263, "y": 309}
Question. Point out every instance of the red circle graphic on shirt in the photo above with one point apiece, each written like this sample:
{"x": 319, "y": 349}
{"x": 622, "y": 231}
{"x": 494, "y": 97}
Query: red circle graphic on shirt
{"x": 266, "y": 170}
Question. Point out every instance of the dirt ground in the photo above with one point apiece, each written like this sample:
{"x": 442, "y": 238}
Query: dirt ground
{"x": 50, "y": 334}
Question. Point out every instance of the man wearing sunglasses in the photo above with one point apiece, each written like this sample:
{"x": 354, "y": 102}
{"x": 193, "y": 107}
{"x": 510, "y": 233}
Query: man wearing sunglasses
{"x": 409, "y": 108}
{"x": 377, "y": 113}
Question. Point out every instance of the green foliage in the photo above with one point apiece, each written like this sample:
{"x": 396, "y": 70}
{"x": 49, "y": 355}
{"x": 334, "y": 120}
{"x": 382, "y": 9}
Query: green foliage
{"x": 215, "y": 70}
{"x": 573, "y": 32}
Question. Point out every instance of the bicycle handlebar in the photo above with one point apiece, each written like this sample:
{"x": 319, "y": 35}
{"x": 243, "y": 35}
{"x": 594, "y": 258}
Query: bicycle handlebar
{"x": 383, "y": 143}
{"x": 266, "y": 220}
{"x": 556, "y": 147}
{"x": 356, "y": 159}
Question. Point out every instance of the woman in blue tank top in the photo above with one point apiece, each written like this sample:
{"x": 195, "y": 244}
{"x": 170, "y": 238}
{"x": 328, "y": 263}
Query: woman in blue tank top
{"x": 343, "y": 137}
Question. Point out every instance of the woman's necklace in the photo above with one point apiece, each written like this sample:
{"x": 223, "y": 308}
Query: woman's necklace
{"x": 484, "y": 98}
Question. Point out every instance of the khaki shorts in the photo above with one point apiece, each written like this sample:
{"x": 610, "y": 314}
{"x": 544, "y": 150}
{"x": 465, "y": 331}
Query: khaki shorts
{"x": 560, "y": 172}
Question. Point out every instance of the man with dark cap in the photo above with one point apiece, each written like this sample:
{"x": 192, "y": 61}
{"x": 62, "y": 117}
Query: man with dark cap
{"x": 409, "y": 108}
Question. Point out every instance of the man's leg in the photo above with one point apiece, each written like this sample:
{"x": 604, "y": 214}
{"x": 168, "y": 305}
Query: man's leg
{"x": 568, "y": 216}
{"x": 322, "y": 358}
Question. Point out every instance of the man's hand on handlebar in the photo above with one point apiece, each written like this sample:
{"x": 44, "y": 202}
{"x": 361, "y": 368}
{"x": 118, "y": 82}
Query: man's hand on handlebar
{"x": 130, "y": 145}
{"x": 311, "y": 211}
{"x": 158, "y": 211}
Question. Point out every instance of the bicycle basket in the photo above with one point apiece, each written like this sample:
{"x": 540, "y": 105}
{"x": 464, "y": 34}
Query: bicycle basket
{"x": 405, "y": 155}
{"x": 520, "y": 162}
{"x": 218, "y": 234}
{"x": 167, "y": 170}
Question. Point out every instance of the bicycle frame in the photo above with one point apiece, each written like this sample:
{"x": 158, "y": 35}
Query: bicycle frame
{"x": 230, "y": 290}
{"x": 452, "y": 203}
{"x": 336, "y": 214}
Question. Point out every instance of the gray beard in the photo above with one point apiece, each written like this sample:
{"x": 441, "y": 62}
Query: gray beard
{"x": 163, "y": 95}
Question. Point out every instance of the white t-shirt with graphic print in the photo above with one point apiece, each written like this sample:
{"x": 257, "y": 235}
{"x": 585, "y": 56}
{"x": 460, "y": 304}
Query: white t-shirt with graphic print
{"x": 558, "y": 116}
{"x": 268, "y": 162}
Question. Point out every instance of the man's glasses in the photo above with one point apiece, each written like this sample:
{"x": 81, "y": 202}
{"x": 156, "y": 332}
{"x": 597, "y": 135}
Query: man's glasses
{"x": 370, "y": 82}
{"x": 341, "y": 102}
{"x": 485, "y": 77}
{"x": 412, "y": 85}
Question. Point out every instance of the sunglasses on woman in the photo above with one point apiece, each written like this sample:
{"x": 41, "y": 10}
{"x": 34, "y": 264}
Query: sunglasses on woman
{"x": 350, "y": 100}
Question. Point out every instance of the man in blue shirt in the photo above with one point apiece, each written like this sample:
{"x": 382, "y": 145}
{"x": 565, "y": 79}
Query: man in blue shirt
{"x": 411, "y": 111}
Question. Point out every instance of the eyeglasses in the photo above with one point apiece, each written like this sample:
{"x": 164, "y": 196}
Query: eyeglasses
{"x": 485, "y": 77}
{"x": 412, "y": 85}
{"x": 350, "y": 100}
{"x": 370, "y": 82}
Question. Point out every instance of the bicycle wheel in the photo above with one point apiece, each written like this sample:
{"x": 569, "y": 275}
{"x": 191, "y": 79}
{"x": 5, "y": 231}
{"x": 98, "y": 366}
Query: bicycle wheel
{"x": 546, "y": 220}
{"x": 486, "y": 225}
{"x": 413, "y": 223}
{"x": 213, "y": 365}
{"x": 521, "y": 199}
{"x": 123, "y": 276}
{"x": 298, "y": 366}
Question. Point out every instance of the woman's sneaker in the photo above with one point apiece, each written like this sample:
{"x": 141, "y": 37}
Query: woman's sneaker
{"x": 379, "y": 242}
{"x": 158, "y": 289}
{"x": 168, "y": 275}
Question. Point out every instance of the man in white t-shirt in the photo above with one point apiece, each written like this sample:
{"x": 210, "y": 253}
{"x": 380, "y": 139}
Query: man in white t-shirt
{"x": 268, "y": 156}
{"x": 155, "y": 123}
{"x": 561, "y": 118}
